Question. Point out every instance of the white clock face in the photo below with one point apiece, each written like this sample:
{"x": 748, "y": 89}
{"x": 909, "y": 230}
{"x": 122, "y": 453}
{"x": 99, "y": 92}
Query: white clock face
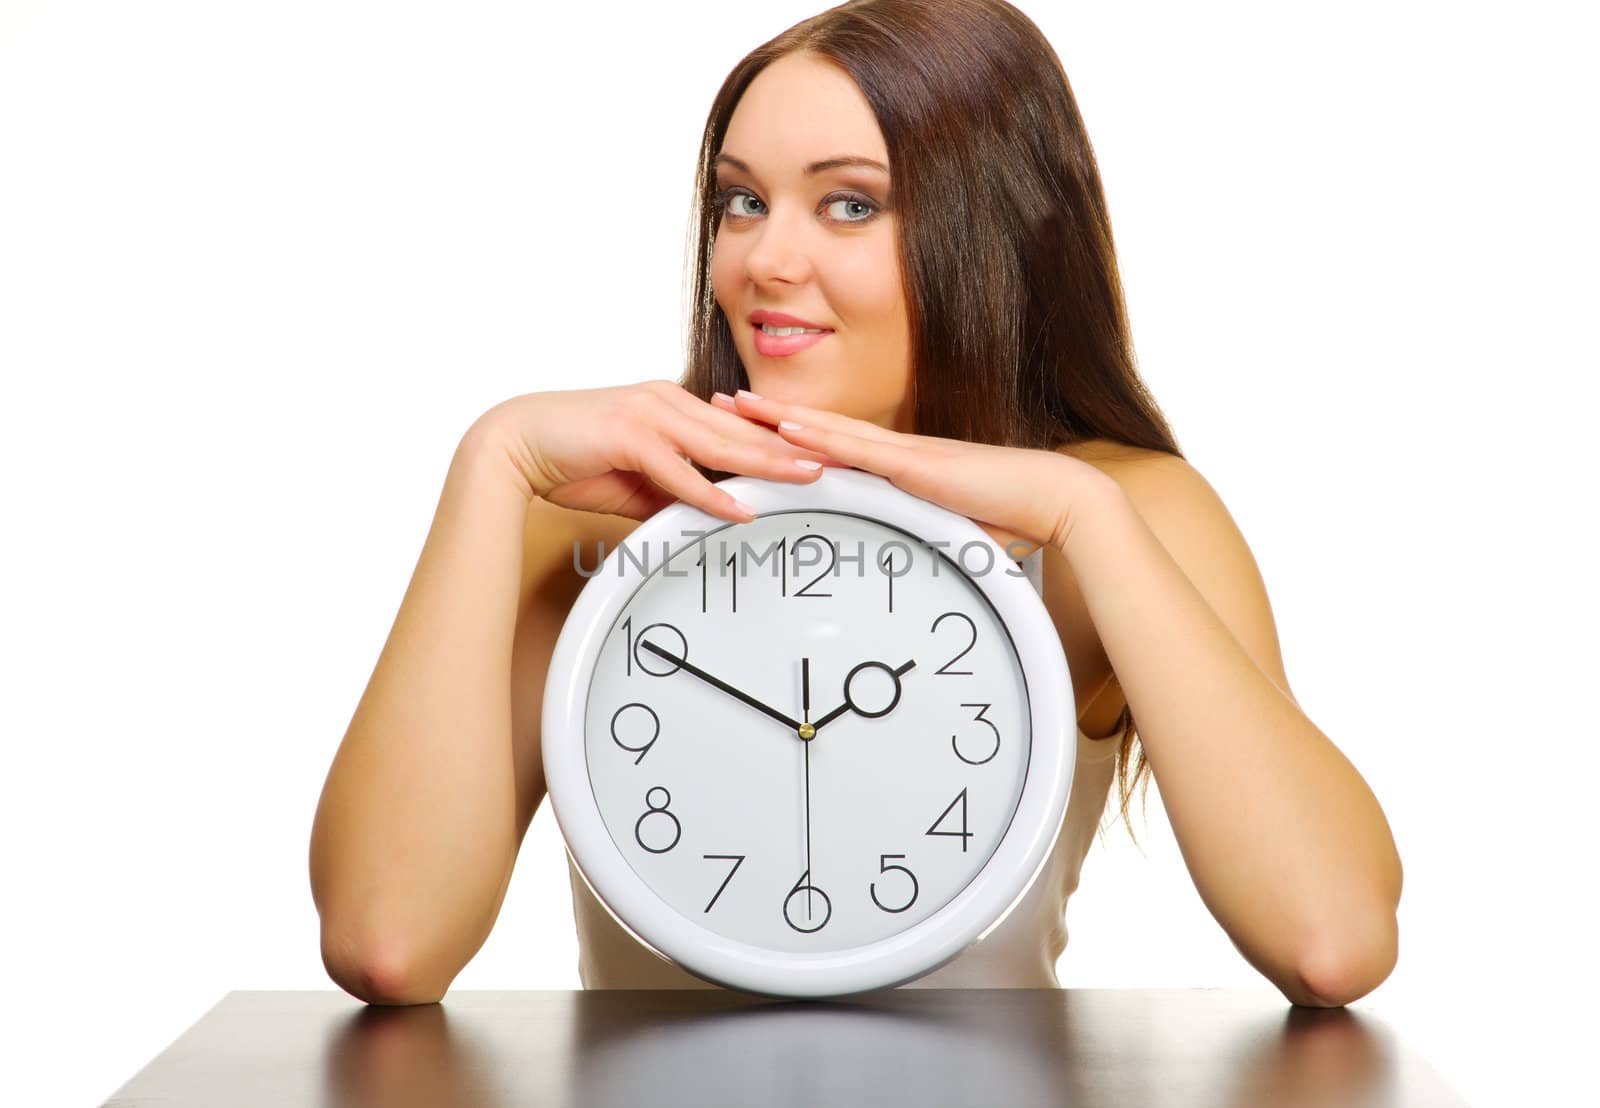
{"x": 735, "y": 647}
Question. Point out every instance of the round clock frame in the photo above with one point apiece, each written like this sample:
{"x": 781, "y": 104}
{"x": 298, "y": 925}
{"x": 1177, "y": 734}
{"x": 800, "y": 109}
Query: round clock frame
{"x": 923, "y": 946}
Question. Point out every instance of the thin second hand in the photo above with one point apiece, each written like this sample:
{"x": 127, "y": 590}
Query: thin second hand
{"x": 805, "y": 717}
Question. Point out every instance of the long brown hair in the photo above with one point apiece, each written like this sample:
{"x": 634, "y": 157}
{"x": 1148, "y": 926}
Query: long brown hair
{"x": 1019, "y": 330}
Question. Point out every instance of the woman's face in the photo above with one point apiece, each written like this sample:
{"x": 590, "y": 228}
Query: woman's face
{"x": 816, "y": 246}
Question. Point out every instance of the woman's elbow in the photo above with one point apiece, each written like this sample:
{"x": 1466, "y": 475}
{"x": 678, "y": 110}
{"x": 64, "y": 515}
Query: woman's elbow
{"x": 1336, "y": 974}
{"x": 377, "y": 974}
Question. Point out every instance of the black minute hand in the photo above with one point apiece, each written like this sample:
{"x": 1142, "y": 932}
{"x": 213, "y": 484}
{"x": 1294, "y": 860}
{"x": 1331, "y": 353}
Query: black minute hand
{"x": 682, "y": 663}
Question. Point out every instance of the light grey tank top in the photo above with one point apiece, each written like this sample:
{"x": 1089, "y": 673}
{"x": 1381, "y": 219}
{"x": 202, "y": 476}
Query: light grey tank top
{"x": 1020, "y": 953}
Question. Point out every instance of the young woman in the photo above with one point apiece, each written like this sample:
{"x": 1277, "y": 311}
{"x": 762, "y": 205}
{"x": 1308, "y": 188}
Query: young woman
{"x": 911, "y": 181}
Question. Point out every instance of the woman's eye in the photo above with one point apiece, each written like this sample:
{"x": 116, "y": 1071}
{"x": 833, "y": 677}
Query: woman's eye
{"x": 741, "y": 196}
{"x": 850, "y": 209}
{"x": 852, "y": 212}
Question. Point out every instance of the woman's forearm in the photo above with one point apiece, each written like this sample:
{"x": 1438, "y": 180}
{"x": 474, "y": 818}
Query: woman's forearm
{"x": 1286, "y": 844}
{"x": 415, "y": 834}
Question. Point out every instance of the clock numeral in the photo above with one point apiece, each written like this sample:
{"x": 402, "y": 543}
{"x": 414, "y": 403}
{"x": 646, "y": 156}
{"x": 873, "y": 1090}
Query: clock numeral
{"x": 736, "y": 859}
{"x": 655, "y": 809}
{"x": 889, "y": 575}
{"x": 833, "y": 560}
{"x": 980, "y": 718}
{"x": 942, "y": 670}
{"x": 640, "y": 750}
{"x": 885, "y": 867}
{"x": 813, "y": 909}
{"x": 733, "y": 580}
{"x": 963, "y": 834}
{"x": 635, "y": 655}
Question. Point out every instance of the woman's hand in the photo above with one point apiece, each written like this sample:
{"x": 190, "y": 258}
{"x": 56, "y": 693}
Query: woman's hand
{"x": 625, "y": 450}
{"x": 1021, "y": 498}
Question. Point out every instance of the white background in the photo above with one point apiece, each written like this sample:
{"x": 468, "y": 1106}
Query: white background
{"x": 262, "y": 264}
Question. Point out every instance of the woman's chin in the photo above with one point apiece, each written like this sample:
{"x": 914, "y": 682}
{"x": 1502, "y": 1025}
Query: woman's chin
{"x": 804, "y": 391}
{"x": 787, "y": 392}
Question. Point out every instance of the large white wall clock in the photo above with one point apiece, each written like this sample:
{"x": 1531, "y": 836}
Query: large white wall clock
{"x": 814, "y": 754}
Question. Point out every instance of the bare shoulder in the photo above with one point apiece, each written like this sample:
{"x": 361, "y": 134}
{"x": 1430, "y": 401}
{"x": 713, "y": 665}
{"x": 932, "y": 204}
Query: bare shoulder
{"x": 1190, "y": 519}
{"x": 1117, "y": 459}
{"x": 1164, "y": 487}
{"x": 1156, "y": 482}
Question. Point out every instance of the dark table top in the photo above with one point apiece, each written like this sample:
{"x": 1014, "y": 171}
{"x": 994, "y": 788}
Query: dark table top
{"x": 705, "y": 1047}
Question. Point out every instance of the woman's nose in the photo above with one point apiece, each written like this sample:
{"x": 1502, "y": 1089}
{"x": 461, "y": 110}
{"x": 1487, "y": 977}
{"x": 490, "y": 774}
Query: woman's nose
{"x": 781, "y": 251}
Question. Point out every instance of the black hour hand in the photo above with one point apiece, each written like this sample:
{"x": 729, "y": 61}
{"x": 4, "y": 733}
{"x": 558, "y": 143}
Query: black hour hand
{"x": 850, "y": 705}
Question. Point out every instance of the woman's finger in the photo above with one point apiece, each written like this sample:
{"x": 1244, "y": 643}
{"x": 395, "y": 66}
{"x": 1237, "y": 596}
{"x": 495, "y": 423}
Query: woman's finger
{"x": 726, "y": 403}
{"x": 737, "y": 453}
{"x": 660, "y": 461}
{"x": 684, "y": 438}
{"x": 732, "y": 425}
{"x": 771, "y": 412}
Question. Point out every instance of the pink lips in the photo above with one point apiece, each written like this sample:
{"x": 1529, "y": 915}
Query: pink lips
{"x": 781, "y": 346}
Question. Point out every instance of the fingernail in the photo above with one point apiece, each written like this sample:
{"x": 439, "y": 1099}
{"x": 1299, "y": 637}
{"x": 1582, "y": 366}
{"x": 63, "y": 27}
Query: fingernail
{"x": 748, "y": 393}
{"x": 720, "y": 396}
{"x": 788, "y": 426}
{"x": 745, "y": 508}
{"x": 807, "y": 463}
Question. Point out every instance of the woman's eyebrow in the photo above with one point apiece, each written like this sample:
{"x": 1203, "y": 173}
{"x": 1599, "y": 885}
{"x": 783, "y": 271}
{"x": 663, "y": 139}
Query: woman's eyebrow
{"x": 838, "y": 161}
